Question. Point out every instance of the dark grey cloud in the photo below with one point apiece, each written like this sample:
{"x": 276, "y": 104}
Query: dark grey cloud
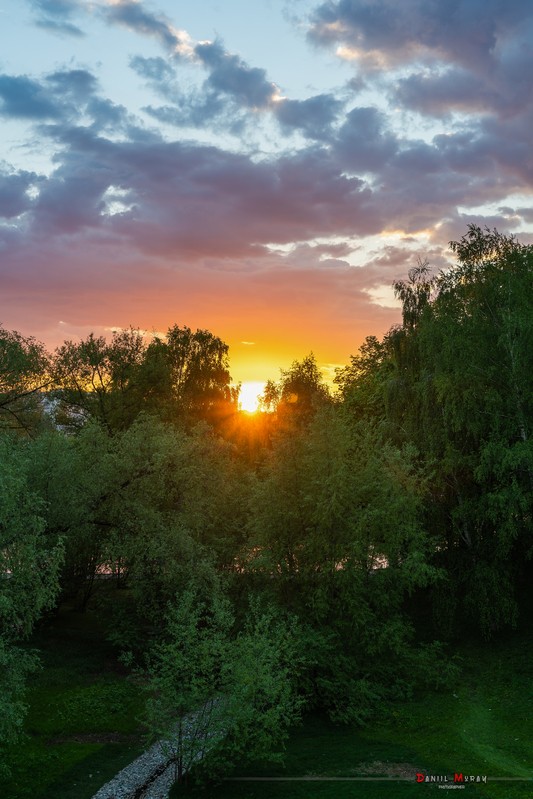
{"x": 156, "y": 70}
{"x": 232, "y": 76}
{"x": 364, "y": 143}
{"x": 461, "y": 31}
{"x": 196, "y": 200}
{"x": 77, "y": 84}
{"x": 505, "y": 91}
{"x": 196, "y": 109}
{"x": 132, "y": 15}
{"x": 467, "y": 56}
{"x": 25, "y": 98}
{"x": 231, "y": 89}
{"x": 108, "y": 116}
{"x": 525, "y": 213}
{"x": 454, "y": 227}
{"x": 190, "y": 200}
{"x": 61, "y": 97}
{"x": 232, "y": 86}
{"x": 14, "y": 197}
{"x": 440, "y": 94}
{"x": 313, "y": 117}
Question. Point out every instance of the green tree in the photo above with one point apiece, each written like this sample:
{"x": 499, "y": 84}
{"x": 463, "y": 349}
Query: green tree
{"x": 182, "y": 378}
{"x": 99, "y": 380}
{"x": 336, "y": 524}
{"x": 24, "y": 377}
{"x": 454, "y": 382}
{"x": 478, "y": 347}
{"x": 298, "y": 394}
{"x": 150, "y": 508}
{"x": 29, "y": 580}
{"x": 215, "y": 697}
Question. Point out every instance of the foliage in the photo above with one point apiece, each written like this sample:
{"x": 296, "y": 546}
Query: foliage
{"x": 29, "y": 568}
{"x": 297, "y": 395}
{"x": 337, "y": 523}
{"x": 181, "y": 378}
{"x": 483, "y": 725}
{"x": 216, "y": 698}
{"x": 24, "y": 375}
{"x": 454, "y": 381}
{"x": 82, "y": 722}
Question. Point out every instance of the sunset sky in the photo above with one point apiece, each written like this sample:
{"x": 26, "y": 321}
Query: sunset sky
{"x": 261, "y": 168}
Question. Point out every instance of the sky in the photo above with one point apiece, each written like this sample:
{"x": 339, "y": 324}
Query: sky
{"x": 264, "y": 169}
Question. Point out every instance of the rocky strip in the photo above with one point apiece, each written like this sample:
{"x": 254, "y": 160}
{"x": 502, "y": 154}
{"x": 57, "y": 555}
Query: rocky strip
{"x": 153, "y": 773}
{"x": 149, "y": 777}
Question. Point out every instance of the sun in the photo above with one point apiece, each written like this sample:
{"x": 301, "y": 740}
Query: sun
{"x": 249, "y": 396}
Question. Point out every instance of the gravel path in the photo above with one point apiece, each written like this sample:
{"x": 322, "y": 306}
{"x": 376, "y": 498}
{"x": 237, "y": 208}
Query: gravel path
{"x": 149, "y": 777}
{"x": 152, "y": 775}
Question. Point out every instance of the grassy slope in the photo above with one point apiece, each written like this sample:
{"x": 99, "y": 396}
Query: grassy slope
{"x": 484, "y": 726}
{"x": 82, "y": 723}
{"x": 82, "y": 728}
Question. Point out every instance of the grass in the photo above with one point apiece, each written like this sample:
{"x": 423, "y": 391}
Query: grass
{"x": 82, "y": 725}
{"x": 484, "y": 726}
{"x": 82, "y": 728}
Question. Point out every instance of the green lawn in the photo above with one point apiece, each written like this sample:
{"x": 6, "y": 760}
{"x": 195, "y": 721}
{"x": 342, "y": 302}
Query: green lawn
{"x": 82, "y": 728}
{"x": 483, "y": 726}
{"x": 82, "y": 723}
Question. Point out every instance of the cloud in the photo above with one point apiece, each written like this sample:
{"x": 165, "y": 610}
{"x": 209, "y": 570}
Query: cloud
{"x": 363, "y": 142}
{"x": 78, "y": 84}
{"x": 24, "y": 98}
{"x": 55, "y": 15}
{"x": 139, "y": 225}
{"x": 232, "y": 76}
{"x": 131, "y": 14}
{"x": 313, "y": 117}
{"x": 156, "y": 70}
{"x": 14, "y": 196}
{"x": 462, "y": 57}
{"x": 60, "y": 100}
{"x": 440, "y": 94}
{"x": 454, "y": 227}
{"x": 386, "y": 33}
{"x": 223, "y": 100}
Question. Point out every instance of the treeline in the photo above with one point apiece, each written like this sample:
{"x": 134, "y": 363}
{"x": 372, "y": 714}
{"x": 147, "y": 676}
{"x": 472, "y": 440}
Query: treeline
{"x": 323, "y": 551}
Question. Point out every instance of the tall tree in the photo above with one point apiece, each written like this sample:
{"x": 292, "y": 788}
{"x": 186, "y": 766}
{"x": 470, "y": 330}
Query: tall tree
{"x": 199, "y": 374}
{"x": 217, "y": 697}
{"x": 478, "y": 347}
{"x": 335, "y": 525}
{"x": 182, "y": 378}
{"x": 29, "y": 580}
{"x": 99, "y": 379}
{"x": 24, "y": 377}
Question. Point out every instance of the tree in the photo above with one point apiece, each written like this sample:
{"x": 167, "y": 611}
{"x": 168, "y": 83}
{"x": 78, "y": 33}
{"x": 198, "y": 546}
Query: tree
{"x": 454, "y": 382}
{"x": 297, "y": 395}
{"x": 29, "y": 580}
{"x": 336, "y": 524}
{"x": 24, "y": 376}
{"x": 99, "y": 380}
{"x": 199, "y": 375}
{"x": 182, "y": 378}
{"x": 151, "y": 507}
{"x": 478, "y": 344}
{"x": 215, "y": 697}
